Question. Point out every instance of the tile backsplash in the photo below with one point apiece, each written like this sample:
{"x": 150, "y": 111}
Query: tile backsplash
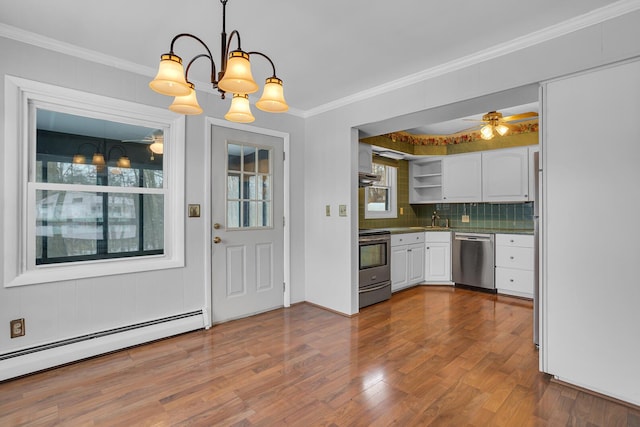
{"x": 496, "y": 216}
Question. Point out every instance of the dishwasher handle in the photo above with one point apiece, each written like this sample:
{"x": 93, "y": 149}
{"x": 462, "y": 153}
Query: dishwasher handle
{"x": 476, "y": 237}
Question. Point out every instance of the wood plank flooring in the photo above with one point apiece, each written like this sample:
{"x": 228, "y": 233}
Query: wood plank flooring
{"x": 432, "y": 356}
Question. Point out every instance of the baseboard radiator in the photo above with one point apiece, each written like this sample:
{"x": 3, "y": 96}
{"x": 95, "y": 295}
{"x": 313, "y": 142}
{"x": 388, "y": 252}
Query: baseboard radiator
{"x": 37, "y": 358}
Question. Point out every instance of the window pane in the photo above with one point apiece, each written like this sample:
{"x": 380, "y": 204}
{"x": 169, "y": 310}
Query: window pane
{"x": 381, "y": 170}
{"x": 378, "y": 199}
{"x": 233, "y": 214}
{"x": 153, "y": 224}
{"x": 123, "y": 223}
{"x": 73, "y": 149}
{"x": 233, "y": 186}
{"x": 249, "y": 159}
{"x": 76, "y": 225}
{"x": 263, "y": 161}
{"x": 249, "y": 214}
{"x": 264, "y": 214}
{"x": 249, "y": 187}
{"x": 264, "y": 192}
{"x": 234, "y": 162}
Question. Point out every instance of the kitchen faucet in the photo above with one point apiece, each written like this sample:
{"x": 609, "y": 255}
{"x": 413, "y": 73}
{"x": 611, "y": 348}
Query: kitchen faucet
{"x": 434, "y": 218}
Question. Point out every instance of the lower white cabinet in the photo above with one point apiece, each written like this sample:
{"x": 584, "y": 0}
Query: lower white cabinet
{"x": 514, "y": 264}
{"x": 407, "y": 260}
{"x": 437, "y": 266}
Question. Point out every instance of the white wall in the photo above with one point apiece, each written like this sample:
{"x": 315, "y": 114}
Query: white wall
{"x": 56, "y": 311}
{"x": 591, "y": 177}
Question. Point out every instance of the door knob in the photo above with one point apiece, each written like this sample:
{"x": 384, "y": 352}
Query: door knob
{"x": 216, "y": 226}
{"x": 217, "y": 240}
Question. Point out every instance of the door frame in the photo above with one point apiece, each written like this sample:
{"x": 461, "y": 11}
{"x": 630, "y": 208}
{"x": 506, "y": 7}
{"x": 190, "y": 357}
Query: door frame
{"x": 206, "y": 208}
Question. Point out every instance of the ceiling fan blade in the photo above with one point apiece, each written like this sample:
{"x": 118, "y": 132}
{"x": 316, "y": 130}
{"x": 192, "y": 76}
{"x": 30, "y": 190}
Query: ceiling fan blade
{"x": 519, "y": 116}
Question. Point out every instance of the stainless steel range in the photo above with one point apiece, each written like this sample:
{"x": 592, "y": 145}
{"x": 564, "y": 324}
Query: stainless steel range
{"x": 375, "y": 266}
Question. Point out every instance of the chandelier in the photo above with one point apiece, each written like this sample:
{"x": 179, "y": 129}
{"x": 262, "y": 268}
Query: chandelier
{"x": 234, "y": 77}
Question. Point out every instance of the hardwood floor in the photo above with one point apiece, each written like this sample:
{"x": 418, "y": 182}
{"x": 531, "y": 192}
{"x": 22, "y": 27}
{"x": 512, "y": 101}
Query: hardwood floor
{"x": 432, "y": 356}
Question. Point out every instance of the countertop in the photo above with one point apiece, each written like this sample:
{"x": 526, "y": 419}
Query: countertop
{"x": 402, "y": 230}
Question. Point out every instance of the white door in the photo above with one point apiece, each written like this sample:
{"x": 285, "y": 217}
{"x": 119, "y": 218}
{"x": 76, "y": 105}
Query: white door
{"x": 247, "y": 212}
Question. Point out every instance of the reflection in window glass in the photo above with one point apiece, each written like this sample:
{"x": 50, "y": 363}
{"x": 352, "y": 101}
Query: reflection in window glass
{"x": 248, "y": 182}
{"x": 76, "y": 225}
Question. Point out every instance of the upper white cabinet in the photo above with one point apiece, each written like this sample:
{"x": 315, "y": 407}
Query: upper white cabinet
{"x": 505, "y": 175}
{"x": 462, "y": 178}
{"x": 425, "y": 182}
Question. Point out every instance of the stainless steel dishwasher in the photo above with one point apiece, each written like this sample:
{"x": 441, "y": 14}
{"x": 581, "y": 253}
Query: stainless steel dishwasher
{"x": 473, "y": 260}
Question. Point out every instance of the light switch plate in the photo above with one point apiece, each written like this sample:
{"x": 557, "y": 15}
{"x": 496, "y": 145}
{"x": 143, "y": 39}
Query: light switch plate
{"x": 342, "y": 210}
{"x": 327, "y": 210}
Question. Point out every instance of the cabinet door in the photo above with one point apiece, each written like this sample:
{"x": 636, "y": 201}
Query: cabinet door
{"x": 462, "y": 178}
{"x": 416, "y": 263}
{"x": 438, "y": 262}
{"x": 505, "y": 175}
{"x": 399, "y": 267}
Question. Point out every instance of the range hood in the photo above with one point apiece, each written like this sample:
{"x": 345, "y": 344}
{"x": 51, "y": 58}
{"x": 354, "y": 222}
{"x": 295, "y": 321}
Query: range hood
{"x": 366, "y": 179}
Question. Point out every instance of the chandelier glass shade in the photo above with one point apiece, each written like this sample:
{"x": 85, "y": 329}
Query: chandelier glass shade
{"x": 234, "y": 77}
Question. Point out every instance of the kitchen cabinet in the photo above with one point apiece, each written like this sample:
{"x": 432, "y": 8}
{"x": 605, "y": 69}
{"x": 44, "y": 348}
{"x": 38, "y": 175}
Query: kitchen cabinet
{"x": 533, "y": 172}
{"x": 425, "y": 182}
{"x": 514, "y": 264}
{"x": 407, "y": 260}
{"x": 437, "y": 266}
{"x": 462, "y": 178}
{"x": 505, "y": 175}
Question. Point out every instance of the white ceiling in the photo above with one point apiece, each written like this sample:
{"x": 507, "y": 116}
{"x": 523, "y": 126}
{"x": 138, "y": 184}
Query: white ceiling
{"x": 324, "y": 51}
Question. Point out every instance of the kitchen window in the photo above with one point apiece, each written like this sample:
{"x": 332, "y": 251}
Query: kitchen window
{"x": 97, "y": 185}
{"x": 380, "y": 199}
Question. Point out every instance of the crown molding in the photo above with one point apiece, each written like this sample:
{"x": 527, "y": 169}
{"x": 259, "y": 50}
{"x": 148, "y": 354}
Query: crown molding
{"x": 588, "y": 19}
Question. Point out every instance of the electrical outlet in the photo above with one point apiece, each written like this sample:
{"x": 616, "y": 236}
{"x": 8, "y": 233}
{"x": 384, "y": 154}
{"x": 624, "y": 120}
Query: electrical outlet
{"x": 465, "y": 218}
{"x": 401, "y": 211}
{"x": 17, "y": 328}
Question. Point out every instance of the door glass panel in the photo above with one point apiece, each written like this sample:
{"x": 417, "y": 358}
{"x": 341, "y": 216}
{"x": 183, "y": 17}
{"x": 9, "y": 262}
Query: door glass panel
{"x": 248, "y": 187}
{"x": 249, "y": 159}
{"x": 234, "y": 162}
{"x": 263, "y": 161}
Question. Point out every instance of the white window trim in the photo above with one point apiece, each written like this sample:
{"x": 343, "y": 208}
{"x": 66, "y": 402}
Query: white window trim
{"x": 392, "y": 179}
{"x": 17, "y": 228}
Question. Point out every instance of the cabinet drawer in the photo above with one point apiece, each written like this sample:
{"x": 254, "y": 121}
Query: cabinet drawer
{"x": 519, "y": 281}
{"x": 407, "y": 238}
{"x": 437, "y": 237}
{"x": 520, "y": 240}
{"x": 514, "y": 257}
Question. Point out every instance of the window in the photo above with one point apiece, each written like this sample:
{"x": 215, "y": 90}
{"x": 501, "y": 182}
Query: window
{"x": 92, "y": 198}
{"x": 249, "y": 174}
{"x": 380, "y": 199}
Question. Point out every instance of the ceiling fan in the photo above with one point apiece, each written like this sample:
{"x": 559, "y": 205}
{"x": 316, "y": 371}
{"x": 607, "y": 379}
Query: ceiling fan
{"x": 155, "y": 141}
{"x": 494, "y": 123}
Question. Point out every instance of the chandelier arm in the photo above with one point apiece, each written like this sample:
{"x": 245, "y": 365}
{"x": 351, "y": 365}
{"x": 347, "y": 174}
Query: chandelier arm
{"x": 213, "y": 68}
{"x": 273, "y": 67}
{"x": 237, "y": 34}
{"x": 193, "y": 37}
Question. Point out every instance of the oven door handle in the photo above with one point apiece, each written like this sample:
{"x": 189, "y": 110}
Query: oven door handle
{"x": 385, "y": 284}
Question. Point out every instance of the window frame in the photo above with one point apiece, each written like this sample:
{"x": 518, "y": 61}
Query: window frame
{"x": 392, "y": 184}
{"x": 22, "y": 97}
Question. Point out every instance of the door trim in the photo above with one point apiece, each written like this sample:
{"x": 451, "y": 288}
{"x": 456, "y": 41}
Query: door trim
{"x": 206, "y": 209}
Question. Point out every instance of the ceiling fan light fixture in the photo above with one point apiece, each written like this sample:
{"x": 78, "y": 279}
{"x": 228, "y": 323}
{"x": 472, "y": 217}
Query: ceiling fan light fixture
{"x": 240, "y": 110}
{"x": 170, "y": 79}
{"x": 501, "y": 129}
{"x": 157, "y": 147}
{"x": 187, "y": 104}
{"x": 487, "y": 132}
{"x": 272, "y": 99}
{"x": 237, "y": 76}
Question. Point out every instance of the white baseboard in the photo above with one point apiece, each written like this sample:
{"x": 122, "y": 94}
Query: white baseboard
{"x": 45, "y": 359}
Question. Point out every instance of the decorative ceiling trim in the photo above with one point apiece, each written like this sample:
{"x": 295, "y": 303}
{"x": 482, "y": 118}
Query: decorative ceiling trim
{"x": 588, "y": 19}
{"x": 458, "y": 138}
